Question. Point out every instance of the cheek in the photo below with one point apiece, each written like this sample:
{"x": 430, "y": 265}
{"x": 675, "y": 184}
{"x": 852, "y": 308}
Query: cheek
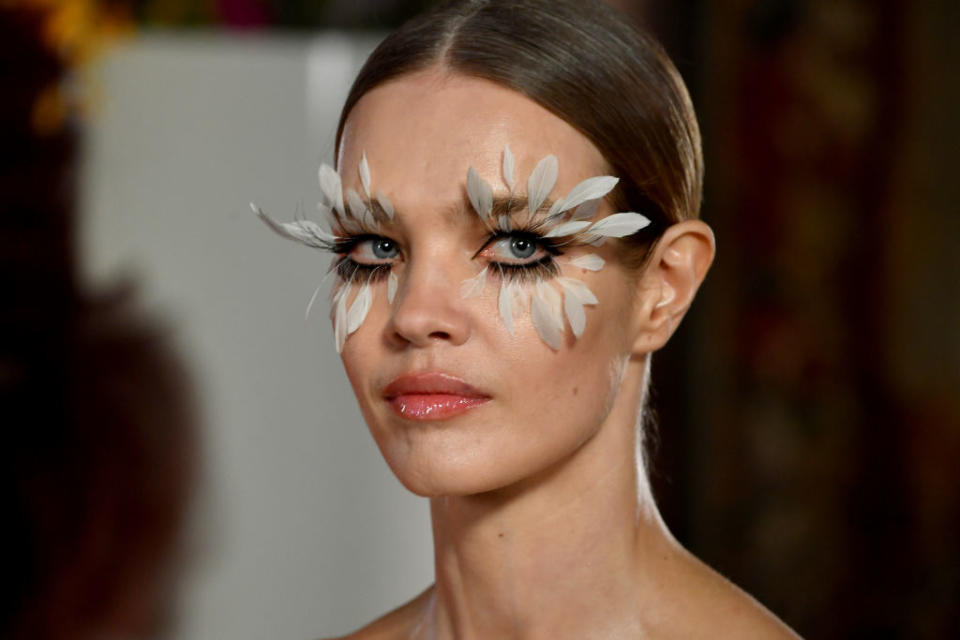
{"x": 568, "y": 394}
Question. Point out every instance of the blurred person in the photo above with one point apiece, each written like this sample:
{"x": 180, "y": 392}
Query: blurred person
{"x": 514, "y": 216}
{"x": 100, "y": 444}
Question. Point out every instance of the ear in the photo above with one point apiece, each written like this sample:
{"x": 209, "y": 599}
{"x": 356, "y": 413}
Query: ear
{"x": 670, "y": 281}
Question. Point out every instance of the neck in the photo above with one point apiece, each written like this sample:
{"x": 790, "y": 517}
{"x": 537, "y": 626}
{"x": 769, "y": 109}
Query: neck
{"x": 557, "y": 554}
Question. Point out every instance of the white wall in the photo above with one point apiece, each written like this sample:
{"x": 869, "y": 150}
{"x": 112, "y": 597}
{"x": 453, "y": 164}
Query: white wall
{"x": 303, "y": 531}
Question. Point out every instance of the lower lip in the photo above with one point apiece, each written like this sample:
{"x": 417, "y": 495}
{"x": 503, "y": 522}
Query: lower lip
{"x": 433, "y": 406}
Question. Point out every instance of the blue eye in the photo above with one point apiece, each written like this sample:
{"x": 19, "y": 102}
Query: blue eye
{"x": 513, "y": 248}
{"x": 522, "y": 248}
{"x": 384, "y": 249}
{"x": 374, "y": 250}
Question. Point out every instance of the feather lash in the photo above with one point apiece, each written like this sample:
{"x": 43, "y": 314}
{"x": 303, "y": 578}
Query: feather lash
{"x": 365, "y": 175}
{"x": 330, "y": 187}
{"x": 544, "y": 318}
{"x": 567, "y": 229}
{"x": 505, "y": 305}
{"x": 590, "y": 262}
{"x": 619, "y": 225}
{"x": 480, "y": 194}
{"x": 303, "y": 231}
{"x": 385, "y": 204}
{"x": 340, "y": 316}
{"x": 358, "y": 310}
{"x": 472, "y": 287}
{"x": 541, "y": 182}
{"x": 590, "y": 189}
{"x": 392, "y": 284}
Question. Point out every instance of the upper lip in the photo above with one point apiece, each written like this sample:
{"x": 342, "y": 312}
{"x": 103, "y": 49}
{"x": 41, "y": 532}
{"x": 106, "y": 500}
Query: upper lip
{"x": 430, "y": 382}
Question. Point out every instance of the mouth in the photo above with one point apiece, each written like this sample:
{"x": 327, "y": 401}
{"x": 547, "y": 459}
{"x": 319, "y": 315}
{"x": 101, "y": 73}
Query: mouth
{"x": 429, "y": 396}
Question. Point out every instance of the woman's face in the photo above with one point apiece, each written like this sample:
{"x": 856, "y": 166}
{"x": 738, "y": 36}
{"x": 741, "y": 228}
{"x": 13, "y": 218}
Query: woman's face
{"x": 456, "y": 402}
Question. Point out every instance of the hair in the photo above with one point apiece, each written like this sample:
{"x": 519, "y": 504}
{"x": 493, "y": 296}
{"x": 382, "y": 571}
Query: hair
{"x": 101, "y": 446}
{"x": 585, "y": 63}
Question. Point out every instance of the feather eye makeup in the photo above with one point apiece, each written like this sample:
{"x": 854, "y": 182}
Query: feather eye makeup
{"x": 524, "y": 256}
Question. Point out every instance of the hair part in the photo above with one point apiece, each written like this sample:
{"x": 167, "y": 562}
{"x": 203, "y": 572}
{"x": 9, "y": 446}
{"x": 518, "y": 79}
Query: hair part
{"x": 582, "y": 61}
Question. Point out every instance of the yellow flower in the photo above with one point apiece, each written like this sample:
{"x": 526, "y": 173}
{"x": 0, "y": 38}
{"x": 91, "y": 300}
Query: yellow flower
{"x": 77, "y": 31}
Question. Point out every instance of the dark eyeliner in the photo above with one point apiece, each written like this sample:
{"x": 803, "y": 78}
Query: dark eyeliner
{"x": 544, "y": 243}
{"x": 349, "y": 270}
{"x": 543, "y": 269}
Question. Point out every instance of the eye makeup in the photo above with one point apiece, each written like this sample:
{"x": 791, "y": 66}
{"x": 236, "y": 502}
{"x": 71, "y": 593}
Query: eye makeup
{"x": 516, "y": 255}
{"x": 522, "y": 256}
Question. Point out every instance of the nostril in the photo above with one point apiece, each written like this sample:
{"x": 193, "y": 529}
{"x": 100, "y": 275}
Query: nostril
{"x": 442, "y": 335}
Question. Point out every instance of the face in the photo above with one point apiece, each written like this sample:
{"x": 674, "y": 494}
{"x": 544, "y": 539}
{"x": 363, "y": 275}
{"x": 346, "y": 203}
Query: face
{"x": 458, "y": 401}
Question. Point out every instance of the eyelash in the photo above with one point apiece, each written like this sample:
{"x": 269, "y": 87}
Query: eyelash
{"x": 545, "y": 268}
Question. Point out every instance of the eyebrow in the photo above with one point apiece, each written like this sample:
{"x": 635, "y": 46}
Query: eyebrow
{"x": 503, "y": 205}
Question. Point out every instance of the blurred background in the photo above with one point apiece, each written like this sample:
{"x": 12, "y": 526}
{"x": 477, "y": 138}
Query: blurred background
{"x": 808, "y": 408}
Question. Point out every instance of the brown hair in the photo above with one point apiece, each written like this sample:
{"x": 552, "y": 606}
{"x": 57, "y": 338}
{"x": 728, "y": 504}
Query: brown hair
{"x": 585, "y": 63}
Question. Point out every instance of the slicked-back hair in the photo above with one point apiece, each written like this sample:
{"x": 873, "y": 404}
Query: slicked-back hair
{"x": 587, "y": 64}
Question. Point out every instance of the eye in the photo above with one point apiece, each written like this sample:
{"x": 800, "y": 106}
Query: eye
{"x": 514, "y": 248}
{"x": 374, "y": 250}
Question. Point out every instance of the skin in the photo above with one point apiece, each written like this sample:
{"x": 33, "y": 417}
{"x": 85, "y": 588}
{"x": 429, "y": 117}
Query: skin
{"x": 543, "y": 521}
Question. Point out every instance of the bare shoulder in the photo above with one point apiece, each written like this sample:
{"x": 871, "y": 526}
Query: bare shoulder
{"x": 701, "y": 603}
{"x": 396, "y": 624}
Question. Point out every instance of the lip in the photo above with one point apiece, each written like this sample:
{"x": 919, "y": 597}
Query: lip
{"x": 432, "y": 395}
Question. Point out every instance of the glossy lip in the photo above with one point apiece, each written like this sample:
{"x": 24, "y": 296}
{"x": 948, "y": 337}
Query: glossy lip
{"x": 432, "y": 395}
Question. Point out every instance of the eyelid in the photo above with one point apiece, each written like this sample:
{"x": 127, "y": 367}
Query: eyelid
{"x": 347, "y": 248}
{"x": 538, "y": 254}
{"x": 545, "y": 248}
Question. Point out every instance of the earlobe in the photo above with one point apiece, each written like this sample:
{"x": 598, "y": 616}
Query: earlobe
{"x": 677, "y": 268}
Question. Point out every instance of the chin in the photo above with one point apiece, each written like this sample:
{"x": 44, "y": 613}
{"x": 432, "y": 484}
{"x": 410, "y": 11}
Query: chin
{"x": 459, "y": 463}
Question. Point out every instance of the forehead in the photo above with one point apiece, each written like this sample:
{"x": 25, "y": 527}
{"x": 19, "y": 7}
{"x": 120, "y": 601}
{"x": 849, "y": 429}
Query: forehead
{"x": 422, "y": 131}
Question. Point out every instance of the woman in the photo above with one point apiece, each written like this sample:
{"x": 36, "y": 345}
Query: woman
{"x": 514, "y": 218}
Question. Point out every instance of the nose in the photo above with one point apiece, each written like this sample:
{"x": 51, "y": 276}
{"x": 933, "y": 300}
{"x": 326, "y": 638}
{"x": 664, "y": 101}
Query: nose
{"x": 428, "y": 308}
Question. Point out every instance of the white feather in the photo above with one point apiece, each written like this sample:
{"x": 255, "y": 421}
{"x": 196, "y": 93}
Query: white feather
{"x": 519, "y": 296}
{"x": 586, "y": 210}
{"x": 619, "y": 225}
{"x": 541, "y": 182}
{"x": 392, "y": 284}
{"x": 480, "y": 193}
{"x": 556, "y": 209}
{"x": 385, "y": 204}
{"x": 358, "y": 208}
{"x": 590, "y": 189}
{"x": 365, "y": 174}
{"x": 505, "y": 305}
{"x": 553, "y": 297}
{"x": 567, "y": 229}
{"x": 504, "y": 223}
{"x": 331, "y": 188}
{"x": 472, "y": 287}
{"x": 590, "y": 262}
{"x": 304, "y": 231}
{"x": 340, "y": 316}
{"x": 350, "y": 224}
{"x": 313, "y": 299}
{"x": 577, "y": 289}
{"x": 508, "y": 168}
{"x": 576, "y": 316}
{"x": 544, "y": 319}
{"x": 358, "y": 310}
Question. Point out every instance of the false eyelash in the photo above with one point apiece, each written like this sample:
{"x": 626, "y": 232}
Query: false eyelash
{"x": 346, "y": 242}
{"x": 352, "y": 271}
{"x": 543, "y": 269}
